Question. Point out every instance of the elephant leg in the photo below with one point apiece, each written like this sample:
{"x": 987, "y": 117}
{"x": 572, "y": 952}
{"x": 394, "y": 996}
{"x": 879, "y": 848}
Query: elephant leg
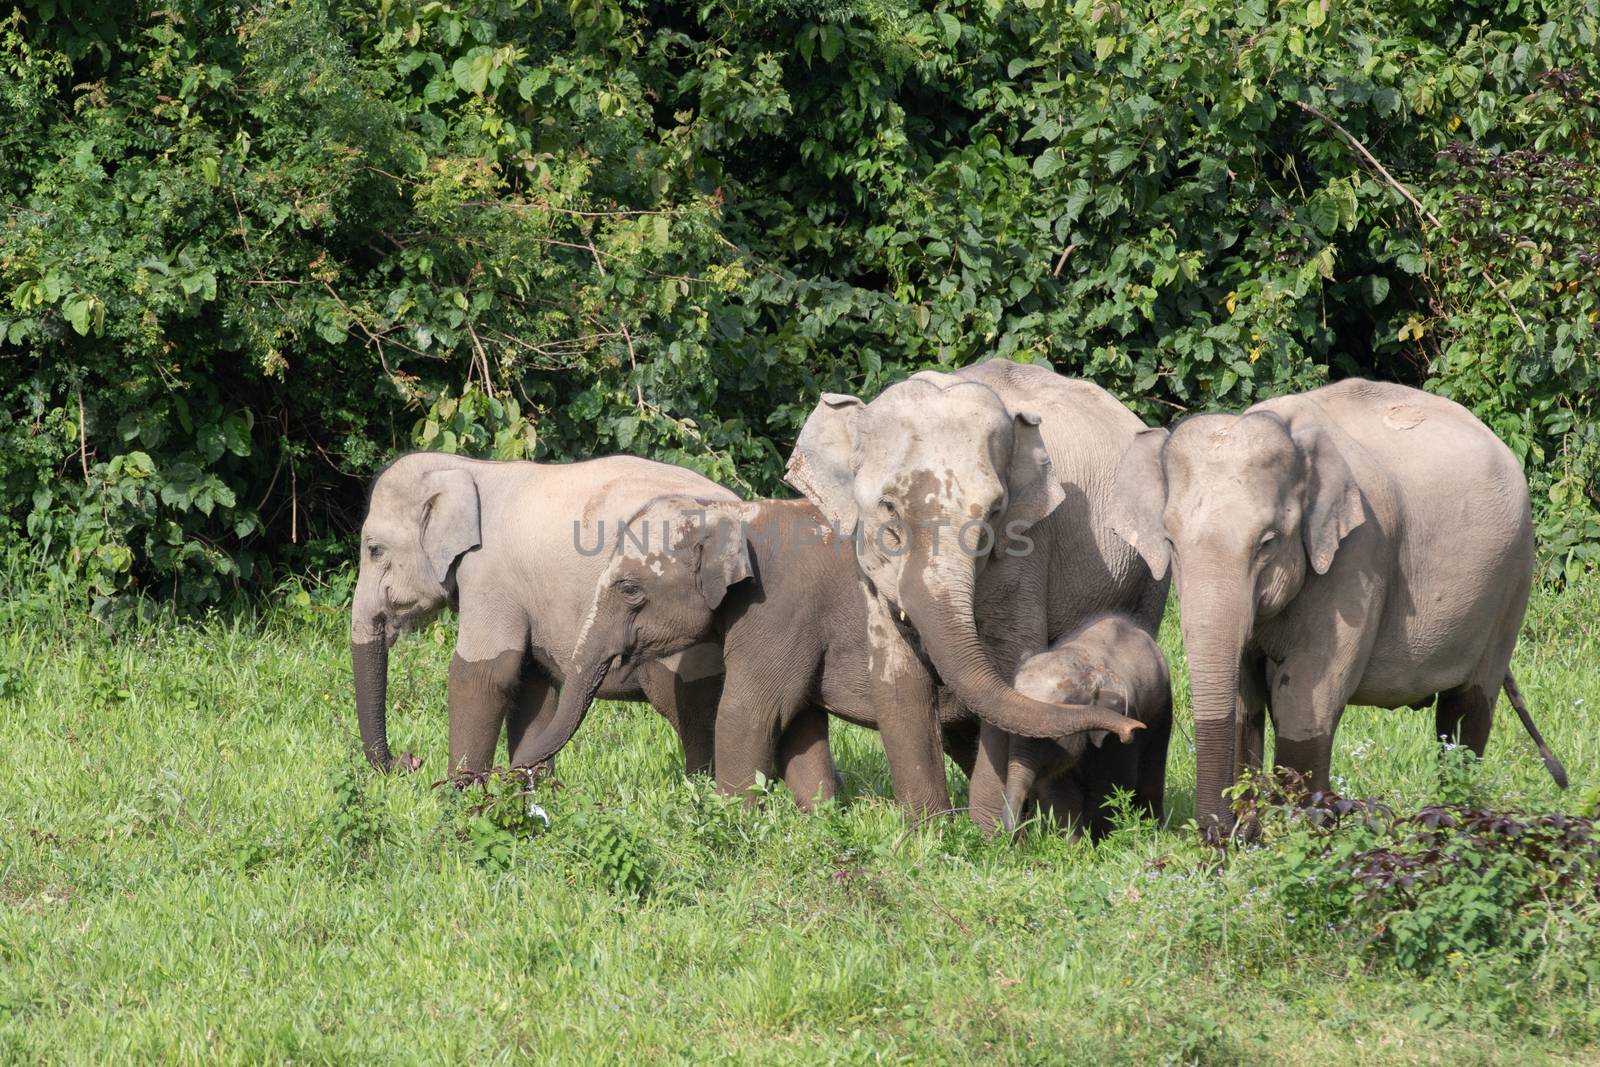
{"x": 689, "y": 702}
{"x": 1446, "y": 720}
{"x": 750, "y": 722}
{"x": 1023, "y": 760}
{"x": 480, "y": 694}
{"x": 806, "y": 761}
{"x": 986, "y": 796}
{"x": 1250, "y": 748}
{"x": 1150, "y": 788}
{"x": 1310, "y": 757}
{"x": 908, "y": 721}
{"x": 1465, "y": 716}
{"x": 1307, "y": 694}
{"x": 533, "y": 707}
{"x": 1065, "y": 799}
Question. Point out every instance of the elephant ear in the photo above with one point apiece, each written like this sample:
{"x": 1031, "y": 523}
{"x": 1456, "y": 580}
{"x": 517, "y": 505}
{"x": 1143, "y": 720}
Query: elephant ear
{"x": 449, "y": 519}
{"x": 1333, "y": 503}
{"x": 720, "y": 553}
{"x": 821, "y": 464}
{"x": 1032, "y": 490}
{"x": 1140, "y": 498}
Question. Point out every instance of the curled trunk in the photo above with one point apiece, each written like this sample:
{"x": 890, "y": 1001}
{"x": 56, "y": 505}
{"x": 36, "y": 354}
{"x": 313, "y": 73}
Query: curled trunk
{"x": 598, "y": 647}
{"x": 577, "y": 696}
{"x": 940, "y": 606}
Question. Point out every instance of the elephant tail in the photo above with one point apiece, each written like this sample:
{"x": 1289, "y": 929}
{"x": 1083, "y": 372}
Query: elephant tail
{"x": 1553, "y": 765}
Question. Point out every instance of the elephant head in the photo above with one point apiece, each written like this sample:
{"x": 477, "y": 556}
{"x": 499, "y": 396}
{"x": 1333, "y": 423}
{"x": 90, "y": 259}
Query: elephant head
{"x": 934, "y": 478}
{"x": 670, "y": 568}
{"x": 1034, "y": 762}
{"x": 422, "y": 516}
{"x": 1241, "y": 507}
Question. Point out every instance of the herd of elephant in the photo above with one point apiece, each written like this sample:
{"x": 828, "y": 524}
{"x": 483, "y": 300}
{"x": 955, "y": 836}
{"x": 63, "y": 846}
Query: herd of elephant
{"x": 978, "y": 568}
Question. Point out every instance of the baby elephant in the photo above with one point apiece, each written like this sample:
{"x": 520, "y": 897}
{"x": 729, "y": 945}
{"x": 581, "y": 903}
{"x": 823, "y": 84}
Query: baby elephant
{"x": 1113, "y": 663}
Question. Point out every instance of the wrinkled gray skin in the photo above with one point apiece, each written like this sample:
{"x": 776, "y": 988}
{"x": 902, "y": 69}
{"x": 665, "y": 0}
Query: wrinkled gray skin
{"x": 1114, "y": 663}
{"x": 496, "y": 542}
{"x": 1026, "y": 451}
{"x": 1362, "y": 543}
{"x": 790, "y": 615}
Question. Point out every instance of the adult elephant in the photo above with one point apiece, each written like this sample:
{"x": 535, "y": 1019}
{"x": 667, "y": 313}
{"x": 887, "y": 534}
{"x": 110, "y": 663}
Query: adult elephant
{"x": 515, "y": 549}
{"x": 1360, "y": 543}
{"x": 980, "y": 503}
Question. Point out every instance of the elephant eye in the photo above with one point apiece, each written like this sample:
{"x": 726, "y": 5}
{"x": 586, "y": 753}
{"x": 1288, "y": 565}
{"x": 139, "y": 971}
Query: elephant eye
{"x": 1267, "y": 539}
{"x": 631, "y": 591}
{"x": 888, "y": 508}
{"x": 374, "y": 551}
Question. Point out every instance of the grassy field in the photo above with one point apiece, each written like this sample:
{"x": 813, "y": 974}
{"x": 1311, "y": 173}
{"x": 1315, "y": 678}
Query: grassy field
{"x": 194, "y": 870}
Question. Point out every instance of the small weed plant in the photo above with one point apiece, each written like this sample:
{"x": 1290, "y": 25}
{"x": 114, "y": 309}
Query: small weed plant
{"x": 355, "y": 825}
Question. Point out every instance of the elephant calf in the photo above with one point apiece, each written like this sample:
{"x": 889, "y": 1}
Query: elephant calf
{"x": 1113, "y": 662}
{"x": 795, "y": 637}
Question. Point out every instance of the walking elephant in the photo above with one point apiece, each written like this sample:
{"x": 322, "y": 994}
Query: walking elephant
{"x": 1360, "y": 543}
{"x": 794, "y": 636}
{"x": 515, "y": 549}
{"x": 979, "y": 505}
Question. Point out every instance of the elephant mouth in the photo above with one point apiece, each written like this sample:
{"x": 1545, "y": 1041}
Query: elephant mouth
{"x": 408, "y": 620}
{"x": 908, "y": 633}
{"x": 901, "y": 621}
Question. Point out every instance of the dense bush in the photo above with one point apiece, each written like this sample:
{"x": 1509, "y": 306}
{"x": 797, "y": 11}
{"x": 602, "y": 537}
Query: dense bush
{"x": 250, "y": 250}
{"x": 1451, "y": 881}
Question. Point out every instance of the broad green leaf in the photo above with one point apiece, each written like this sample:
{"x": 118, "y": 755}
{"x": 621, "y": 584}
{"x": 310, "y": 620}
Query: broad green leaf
{"x": 1046, "y": 165}
{"x": 1121, "y": 157}
{"x": 76, "y": 311}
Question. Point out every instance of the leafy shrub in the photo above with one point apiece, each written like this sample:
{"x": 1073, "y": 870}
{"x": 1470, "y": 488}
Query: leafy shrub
{"x": 355, "y": 824}
{"x": 1431, "y": 887}
{"x": 248, "y": 252}
{"x": 614, "y": 854}
{"x": 501, "y": 814}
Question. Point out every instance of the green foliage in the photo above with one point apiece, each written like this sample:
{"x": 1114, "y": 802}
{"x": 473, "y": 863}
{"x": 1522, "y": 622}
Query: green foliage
{"x": 248, "y": 252}
{"x": 502, "y": 814}
{"x": 614, "y": 854}
{"x": 1447, "y": 883}
{"x": 354, "y": 823}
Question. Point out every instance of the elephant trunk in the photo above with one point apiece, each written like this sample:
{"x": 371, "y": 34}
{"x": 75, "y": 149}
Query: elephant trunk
{"x": 577, "y": 697}
{"x": 941, "y": 608}
{"x": 370, "y": 663}
{"x": 1217, "y": 617}
{"x": 598, "y": 648}
{"x": 1021, "y": 773}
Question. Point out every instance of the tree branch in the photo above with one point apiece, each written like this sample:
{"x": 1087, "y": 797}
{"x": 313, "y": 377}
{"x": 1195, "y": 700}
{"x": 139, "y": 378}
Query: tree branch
{"x": 1398, "y": 186}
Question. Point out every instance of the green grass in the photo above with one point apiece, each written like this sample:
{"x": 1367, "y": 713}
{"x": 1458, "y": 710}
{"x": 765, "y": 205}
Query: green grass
{"x": 176, "y": 886}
